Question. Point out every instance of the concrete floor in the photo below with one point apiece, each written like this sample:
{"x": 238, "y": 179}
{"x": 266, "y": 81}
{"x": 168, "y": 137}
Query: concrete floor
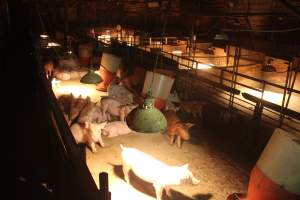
{"x": 217, "y": 158}
{"x": 220, "y": 175}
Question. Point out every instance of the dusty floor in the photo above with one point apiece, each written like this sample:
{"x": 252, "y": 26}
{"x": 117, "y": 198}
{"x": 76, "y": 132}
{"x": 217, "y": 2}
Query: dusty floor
{"x": 220, "y": 175}
{"x": 217, "y": 158}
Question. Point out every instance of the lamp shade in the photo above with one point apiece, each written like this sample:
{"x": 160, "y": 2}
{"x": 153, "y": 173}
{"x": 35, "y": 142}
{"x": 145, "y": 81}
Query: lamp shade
{"x": 91, "y": 78}
{"x": 147, "y": 118}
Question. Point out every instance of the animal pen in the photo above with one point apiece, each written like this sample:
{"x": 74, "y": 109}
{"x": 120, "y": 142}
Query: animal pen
{"x": 241, "y": 108}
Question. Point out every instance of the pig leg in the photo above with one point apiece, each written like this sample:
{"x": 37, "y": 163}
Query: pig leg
{"x": 168, "y": 191}
{"x": 92, "y": 146}
{"x": 126, "y": 169}
{"x": 171, "y": 139}
{"x": 179, "y": 141}
{"x": 158, "y": 191}
{"x": 107, "y": 116}
{"x": 122, "y": 114}
{"x": 101, "y": 141}
{"x": 193, "y": 179}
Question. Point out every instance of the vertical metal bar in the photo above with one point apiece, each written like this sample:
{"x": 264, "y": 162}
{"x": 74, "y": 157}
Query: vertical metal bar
{"x": 291, "y": 88}
{"x": 221, "y": 76}
{"x": 282, "y": 111}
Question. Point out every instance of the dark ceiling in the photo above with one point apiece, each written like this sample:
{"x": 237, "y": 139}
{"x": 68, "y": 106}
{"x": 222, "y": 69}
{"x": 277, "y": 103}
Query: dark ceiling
{"x": 272, "y": 26}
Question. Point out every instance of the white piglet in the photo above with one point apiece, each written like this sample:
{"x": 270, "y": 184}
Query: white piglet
{"x": 90, "y": 134}
{"x": 113, "y": 129}
{"x": 154, "y": 171}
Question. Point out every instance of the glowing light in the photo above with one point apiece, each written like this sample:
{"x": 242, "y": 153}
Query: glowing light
{"x": 130, "y": 40}
{"x": 52, "y": 44}
{"x": 105, "y": 38}
{"x": 55, "y": 84}
{"x": 270, "y": 96}
{"x": 76, "y": 90}
{"x": 177, "y": 52}
{"x": 202, "y": 65}
{"x": 120, "y": 190}
{"x": 44, "y": 36}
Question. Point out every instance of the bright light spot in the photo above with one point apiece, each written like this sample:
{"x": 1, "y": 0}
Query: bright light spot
{"x": 121, "y": 190}
{"x": 273, "y": 97}
{"x": 105, "y": 38}
{"x": 177, "y": 52}
{"x": 52, "y": 44}
{"x": 55, "y": 84}
{"x": 76, "y": 90}
{"x": 44, "y": 36}
{"x": 202, "y": 65}
{"x": 70, "y": 52}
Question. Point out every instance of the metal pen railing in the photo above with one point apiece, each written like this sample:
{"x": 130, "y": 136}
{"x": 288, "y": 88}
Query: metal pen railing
{"x": 269, "y": 109}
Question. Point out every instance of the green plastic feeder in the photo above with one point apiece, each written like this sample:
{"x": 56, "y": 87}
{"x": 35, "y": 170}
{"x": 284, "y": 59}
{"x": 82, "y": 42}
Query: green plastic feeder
{"x": 147, "y": 118}
{"x": 91, "y": 78}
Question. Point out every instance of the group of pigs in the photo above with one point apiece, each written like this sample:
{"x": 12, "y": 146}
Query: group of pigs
{"x": 88, "y": 121}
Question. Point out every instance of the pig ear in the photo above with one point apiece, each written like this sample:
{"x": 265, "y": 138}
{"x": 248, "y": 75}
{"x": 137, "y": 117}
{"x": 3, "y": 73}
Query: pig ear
{"x": 189, "y": 125}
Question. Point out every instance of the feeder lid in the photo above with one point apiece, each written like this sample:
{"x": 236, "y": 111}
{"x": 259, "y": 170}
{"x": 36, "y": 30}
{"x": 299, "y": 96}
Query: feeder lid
{"x": 147, "y": 118}
{"x": 91, "y": 78}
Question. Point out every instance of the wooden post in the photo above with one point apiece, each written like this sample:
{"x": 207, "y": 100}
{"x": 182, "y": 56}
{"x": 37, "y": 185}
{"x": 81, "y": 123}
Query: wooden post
{"x": 104, "y": 190}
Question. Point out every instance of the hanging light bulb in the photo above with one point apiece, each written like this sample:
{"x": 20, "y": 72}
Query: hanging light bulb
{"x": 146, "y": 118}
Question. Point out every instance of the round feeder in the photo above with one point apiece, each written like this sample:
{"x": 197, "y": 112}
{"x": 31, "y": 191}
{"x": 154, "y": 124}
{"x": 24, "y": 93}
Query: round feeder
{"x": 276, "y": 175}
{"x": 160, "y": 85}
{"x": 91, "y": 78}
{"x": 108, "y": 68}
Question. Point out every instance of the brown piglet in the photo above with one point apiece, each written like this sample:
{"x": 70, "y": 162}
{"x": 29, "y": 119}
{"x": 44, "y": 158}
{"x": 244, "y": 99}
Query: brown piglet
{"x": 177, "y": 130}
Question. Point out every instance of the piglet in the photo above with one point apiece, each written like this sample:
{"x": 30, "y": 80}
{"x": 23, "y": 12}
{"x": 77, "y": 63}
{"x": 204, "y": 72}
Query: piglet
{"x": 120, "y": 93}
{"x": 113, "y": 129}
{"x": 92, "y": 113}
{"x": 177, "y": 130}
{"x": 77, "y": 105}
{"x": 125, "y": 110}
{"x": 154, "y": 171}
{"x": 90, "y": 134}
{"x": 64, "y": 102}
{"x": 110, "y": 105}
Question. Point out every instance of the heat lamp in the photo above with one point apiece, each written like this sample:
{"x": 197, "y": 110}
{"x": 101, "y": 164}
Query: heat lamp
{"x": 91, "y": 77}
{"x": 146, "y": 118}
